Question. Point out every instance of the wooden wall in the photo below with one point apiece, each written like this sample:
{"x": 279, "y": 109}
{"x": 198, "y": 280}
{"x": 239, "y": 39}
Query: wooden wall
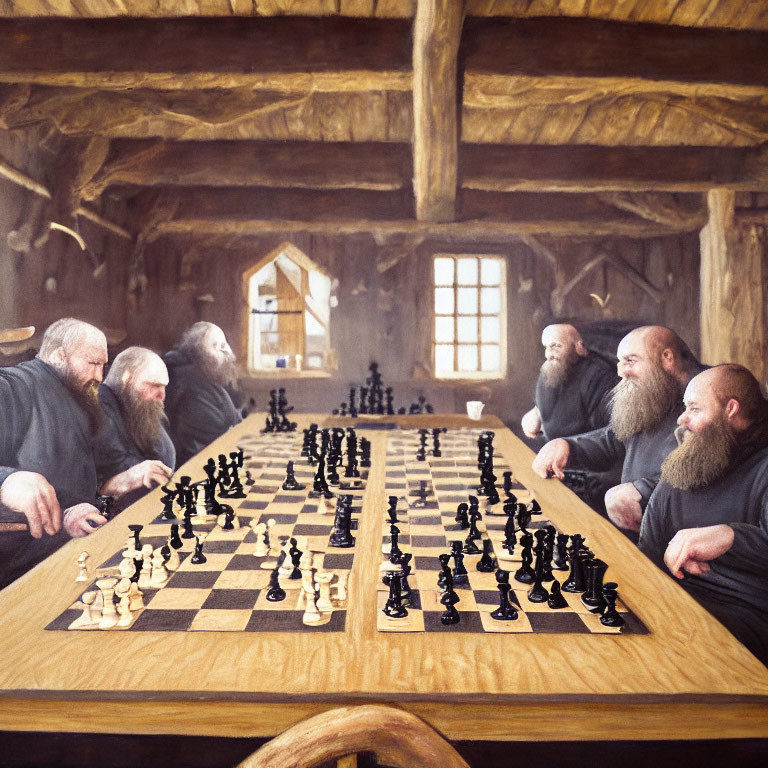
{"x": 385, "y": 316}
{"x": 24, "y": 298}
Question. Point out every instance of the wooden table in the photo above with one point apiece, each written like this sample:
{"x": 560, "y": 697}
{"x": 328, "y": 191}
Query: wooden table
{"x": 687, "y": 679}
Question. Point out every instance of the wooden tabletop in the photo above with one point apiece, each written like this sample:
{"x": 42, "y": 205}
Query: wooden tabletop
{"x": 688, "y": 678}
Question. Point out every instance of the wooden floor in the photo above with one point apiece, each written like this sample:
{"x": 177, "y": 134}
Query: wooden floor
{"x": 689, "y": 679}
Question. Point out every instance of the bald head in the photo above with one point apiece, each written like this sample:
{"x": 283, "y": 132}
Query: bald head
{"x": 206, "y": 344}
{"x": 140, "y": 370}
{"x": 655, "y": 346}
{"x": 77, "y": 350}
{"x": 563, "y": 346}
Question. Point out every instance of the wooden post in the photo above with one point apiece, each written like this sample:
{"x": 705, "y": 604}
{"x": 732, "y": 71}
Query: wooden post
{"x": 731, "y": 303}
{"x": 436, "y": 35}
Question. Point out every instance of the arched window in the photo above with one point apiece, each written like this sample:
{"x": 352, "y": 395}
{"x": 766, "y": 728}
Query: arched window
{"x": 289, "y": 300}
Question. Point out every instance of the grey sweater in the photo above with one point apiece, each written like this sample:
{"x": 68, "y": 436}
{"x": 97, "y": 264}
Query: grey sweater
{"x": 578, "y": 404}
{"x": 736, "y": 588}
{"x": 641, "y": 455}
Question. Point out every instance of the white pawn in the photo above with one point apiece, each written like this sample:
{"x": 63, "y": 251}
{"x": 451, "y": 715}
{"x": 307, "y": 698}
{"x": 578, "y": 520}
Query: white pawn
{"x": 341, "y": 587}
{"x": 122, "y": 590}
{"x": 159, "y": 575}
{"x": 126, "y": 569}
{"x": 82, "y": 564}
{"x": 87, "y": 619}
{"x": 136, "y": 602}
{"x": 312, "y": 616}
{"x": 323, "y": 580}
{"x": 145, "y": 577}
{"x": 174, "y": 561}
{"x": 108, "y": 613}
{"x": 261, "y": 549}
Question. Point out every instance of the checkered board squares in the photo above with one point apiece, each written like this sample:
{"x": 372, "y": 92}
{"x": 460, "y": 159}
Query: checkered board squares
{"x": 428, "y": 527}
{"x": 228, "y": 592}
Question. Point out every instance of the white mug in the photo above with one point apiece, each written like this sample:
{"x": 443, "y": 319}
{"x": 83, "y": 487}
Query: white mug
{"x": 475, "y": 409}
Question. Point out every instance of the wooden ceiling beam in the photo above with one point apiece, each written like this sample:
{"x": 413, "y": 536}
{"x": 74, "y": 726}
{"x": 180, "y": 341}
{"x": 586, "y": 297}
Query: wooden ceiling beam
{"x": 574, "y": 47}
{"x": 278, "y": 53}
{"x": 436, "y": 35}
{"x": 303, "y": 165}
{"x": 503, "y": 168}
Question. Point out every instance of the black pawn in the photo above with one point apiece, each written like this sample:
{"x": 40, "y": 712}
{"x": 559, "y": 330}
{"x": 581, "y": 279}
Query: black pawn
{"x": 188, "y": 532}
{"x": 560, "y": 561}
{"x": 460, "y": 574}
{"x": 593, "y": 597}
{"x": 198, "y": 557}
{"x": 611, "y": 617}
{"x": 525, "y": 574}
{"x": 451, "y": 615}
{"x": 290, "y": 483}
{"x": 229, "y": 518}
{"x": 176, "y": 541}
{"x": 506, "y": 611}
{"x": 168, "y": 507}
{"x": 556, "y": 599}
{"x": 445, "y": 579}
{"x": 275, "y": 593}
{"x": 487, "y": 564}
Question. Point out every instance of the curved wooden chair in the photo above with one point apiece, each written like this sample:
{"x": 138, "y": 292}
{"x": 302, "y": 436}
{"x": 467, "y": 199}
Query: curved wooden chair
{"x": 398, "y": 739}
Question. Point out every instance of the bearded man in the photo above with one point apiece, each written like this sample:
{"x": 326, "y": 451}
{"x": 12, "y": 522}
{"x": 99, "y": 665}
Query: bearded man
{"x": 49, "y": 414}
{"x": 134, "y": 453}
{"x": 655, "y": 365}
{"x": 199, "y": 407}
{"x": 572, "y": 387}
{"x": 707, "y": 521}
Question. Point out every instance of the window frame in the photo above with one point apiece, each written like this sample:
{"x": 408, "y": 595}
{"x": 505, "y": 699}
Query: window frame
{"x": 479, "y": 375}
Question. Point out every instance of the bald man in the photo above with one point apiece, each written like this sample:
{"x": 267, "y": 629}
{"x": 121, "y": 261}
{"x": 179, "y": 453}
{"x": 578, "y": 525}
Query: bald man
{"x": 49, "y": 414}
{"x": 707, "y": 521}
{"x": 654, "y": 365}
{"x": 199, "y": 406}
{"x": 134, "y": 452}
{"x": 572, "y": 388}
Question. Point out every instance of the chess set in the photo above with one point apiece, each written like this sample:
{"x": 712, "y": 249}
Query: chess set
{"x": 254, "y": 576}
{"x": 438, "y": 513}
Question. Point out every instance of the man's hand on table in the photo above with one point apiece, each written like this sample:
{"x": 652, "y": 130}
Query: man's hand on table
{"x": 622, "y": 503}
{"x": 552, "y": 459}
{"x": 82, "y": 519}
{"x": 31, "y": 495}
{"x": 691, "y": 549}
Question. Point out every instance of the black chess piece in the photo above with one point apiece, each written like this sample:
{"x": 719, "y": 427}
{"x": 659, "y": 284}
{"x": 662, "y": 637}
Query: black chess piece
{"x": 560, "y": 561}
{"x": 275, "y": 593}
{"x": 394, "y": 552}
{"x": 534, "y": 507}
{"x": 105, "y": 505}
{"x": 538, "y": 593}
{"x": 198, "y": 557}
{"x": 290, "y": 483}
{"x": 469, "y": 547}
{"x": 405, "y": 587}
{"x": 611, "y": 617}
{"x": 394, "y": 607}
{"x": 392, "y": 509}
{"x": 295, "y": 554}
{"x": 510, "y": 539}
{"x": 506, "y": 611}
{"x": 525, "y": 573}
{"x": 576, "y": 581}
{"x": 451, "y": 616}
{"x": 187, "y": 523}
{"x": 229, "y": 517}
{"x": 136, "y": 530}
{"x": 461, "y": 515}
{"x": 593, "y": 596}
{"x": 556, "y": 599}
{"x": 175, "y": 541}
{"x": 473, "y": 532}
{"x": 341, "y": 535}
{"x": 138, "y": 564}
{"x": 460, "y": 573}
{"x": 320, "y": 483}
{"x": 165, "y": 551}
{"x": 445, "y": 577}
{"x": 487, "y": 563}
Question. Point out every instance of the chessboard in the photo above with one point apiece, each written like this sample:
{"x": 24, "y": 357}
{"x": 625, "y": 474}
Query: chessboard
{"x": 228, "y": 592}
{"x": 428, "y": 489}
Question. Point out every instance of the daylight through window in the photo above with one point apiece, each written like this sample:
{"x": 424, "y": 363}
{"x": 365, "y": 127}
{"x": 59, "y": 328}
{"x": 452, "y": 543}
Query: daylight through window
{"x": 470, "y": 316}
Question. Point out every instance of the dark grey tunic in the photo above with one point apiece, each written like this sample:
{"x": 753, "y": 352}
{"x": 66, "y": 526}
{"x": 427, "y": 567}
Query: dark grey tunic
{"x": 42, "y": 429}
{"x": 114, "y": 448}
{"x": 736, "y": 588}
{"x": 198, "y": 409}
{"x": 641, "y": 456}
{"x": 578, "y": 404}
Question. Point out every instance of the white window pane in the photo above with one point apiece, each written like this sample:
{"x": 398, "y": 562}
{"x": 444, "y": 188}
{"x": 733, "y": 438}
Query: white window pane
{"x": 444, "y": 301}
{"x": 490, "y": 301}
{"x": 490, "y": 357}
{"x": 490, "y": 329}
{"x": 466, "y": 271}
{"x": 443, "y": 271}
{"x": 490, "y": 271}
{"x": 467, "y": 301}
{"x": 443, "y": 357}
{"x": 444, "y": 330}
{"x": 467, "y": 327}
{"x": 312, "y": 326}
{"x": 467, "y": 357}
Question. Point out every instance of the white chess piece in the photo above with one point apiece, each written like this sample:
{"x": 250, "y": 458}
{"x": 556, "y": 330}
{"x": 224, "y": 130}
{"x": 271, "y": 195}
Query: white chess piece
{"x": 160, "y": 574}
{"x": 341, "y": 587}
{"x": 261, "y": 549}
{"x": 108, "y": 613}
{"x": 87, "y": 619}
{"x": 174, "y": 561}
{"x": 122, "y": 590}
{"x": 82, "y": 564}
{"x": 311, "y": 616}
{"x": 145, "y": 577}
{"x": 323, "y": 580}
{"x": 136, "y": 602}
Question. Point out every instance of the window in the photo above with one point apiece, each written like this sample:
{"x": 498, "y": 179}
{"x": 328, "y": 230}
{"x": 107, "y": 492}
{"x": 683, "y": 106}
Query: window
{"x": 469, "y": 335}
{"x": 289, "y": 301}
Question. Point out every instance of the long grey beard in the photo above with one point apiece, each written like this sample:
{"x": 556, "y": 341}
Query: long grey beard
{"x": 144, "y": 420}
{"x": 554, "y": 373}
{"x": 701, "y": 458}
{"x": 637, "y": 407}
